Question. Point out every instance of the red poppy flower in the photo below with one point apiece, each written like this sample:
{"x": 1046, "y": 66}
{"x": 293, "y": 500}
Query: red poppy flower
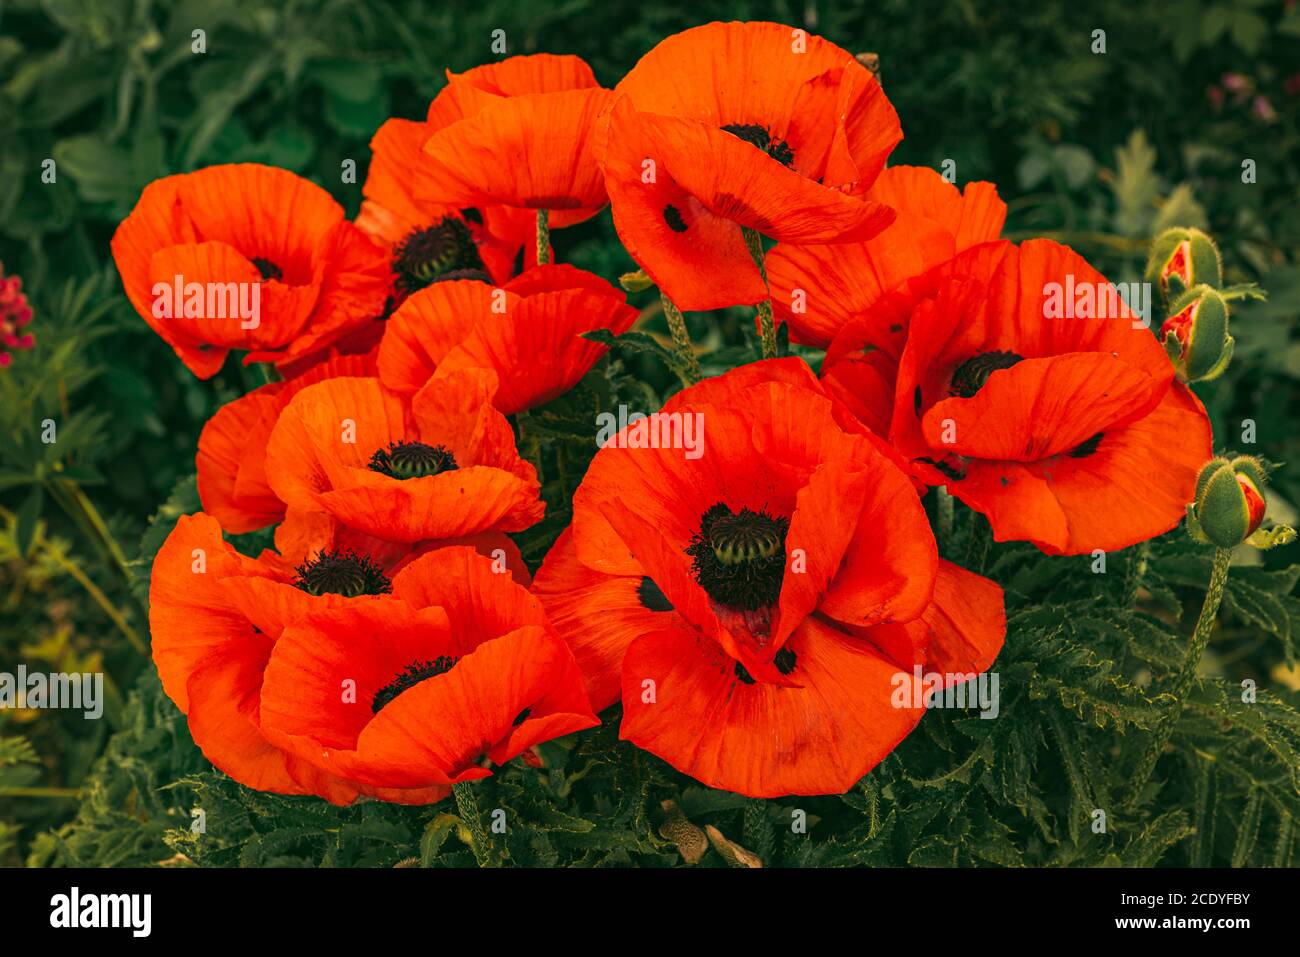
{"x": 232, "y": 448}
{"x": 227, "y": 234}
{"x": 437, "y": 240}
{"x": 443, "y": 465}
{"x": 458, "y": 325}
{"x": 1036, "y": 396}
{"x": 427, "y": 241}
{"x": 754, "y": 606}
{"x": 732, "y": 125}
{"x": 417, "y": 690}
{"x": 488, "y": 121}
{"x": 215, "y": 615}
{"x": 430, "y": 240}
{"x": 818, "y": 290}
{"x": 467, "y": 93}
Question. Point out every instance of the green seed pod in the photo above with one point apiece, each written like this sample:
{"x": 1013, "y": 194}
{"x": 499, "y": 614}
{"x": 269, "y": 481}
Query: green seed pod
{"x": 1196, "y": 334}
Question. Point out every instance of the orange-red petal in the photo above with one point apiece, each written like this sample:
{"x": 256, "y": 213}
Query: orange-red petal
{"x": 683, "y": 701}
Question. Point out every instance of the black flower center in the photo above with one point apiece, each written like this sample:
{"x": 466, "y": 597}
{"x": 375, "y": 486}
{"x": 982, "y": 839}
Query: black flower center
{"x": 268, "y": 269}
{"x": 342, "y": 573}
{"x": 407, "y": 460}
{"x": 442, "y": 251}
{"x": 759, "y": 137}
{"x": 411, "y": 676}
{"x": 739, "y": 558}
{"x": 971, "y": 375}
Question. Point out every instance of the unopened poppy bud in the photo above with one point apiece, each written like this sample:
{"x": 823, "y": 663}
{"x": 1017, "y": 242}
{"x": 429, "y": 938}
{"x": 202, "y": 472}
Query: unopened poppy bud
{"x": 1182, "y": 258}
{"x": 1229, "y": 507}
{"x": 635, "y": 281}
{"x": 1196, "y": 334}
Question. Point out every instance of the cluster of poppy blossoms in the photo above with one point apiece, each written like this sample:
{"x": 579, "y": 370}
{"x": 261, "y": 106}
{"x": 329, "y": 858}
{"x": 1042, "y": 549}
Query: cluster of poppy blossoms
{"x": 754, "y": 609}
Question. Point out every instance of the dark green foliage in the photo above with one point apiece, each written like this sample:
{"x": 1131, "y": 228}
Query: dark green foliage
{"x": 559, "y": 439}
{"x": 1098, "y": 151}
{"x": 135, "y": 794}
{"x": 1077, "y": 701}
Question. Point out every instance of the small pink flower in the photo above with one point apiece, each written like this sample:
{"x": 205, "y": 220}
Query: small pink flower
{"x": 15, "y": 313}
{"x": 1236, "y": 83}
{"x": 1262, "y": 108}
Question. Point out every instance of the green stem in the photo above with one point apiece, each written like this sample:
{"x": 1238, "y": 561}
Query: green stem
{"x": 82, "y": 510}
{"x": 756, "y": 829}
{"x": 65, "y": 502}
{"x": 101, "y": 600}
{"x": 766, "y": 323}
{"x": 39, "y": 792}
{"x": 467, "y": 807}
{"x": 1134, "y": 571}
{"x": 1187, "y": 674}
{"x": 977, "y": 542}
{"x": 543, "y": 237}
{"x": 682, "y": 338}
{"x": 944, "y": 508}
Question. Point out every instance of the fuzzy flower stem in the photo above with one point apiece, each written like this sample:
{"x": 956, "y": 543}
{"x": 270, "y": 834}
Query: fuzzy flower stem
{"x": 1183, "y": 682}
{"x": 1134, "y": 572}
{"x": 467, "y": 808}
{"x": 682, "y": 338}
{"x": 543, "y": 237}
{"x": 755, "y": 830}
{"x": 765, "y": 321}
{"x": 944, "y": 506}
{"x": 977, "y": 542}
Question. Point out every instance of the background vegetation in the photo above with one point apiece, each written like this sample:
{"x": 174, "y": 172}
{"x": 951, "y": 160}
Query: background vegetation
{"x": 1096, "y": 150}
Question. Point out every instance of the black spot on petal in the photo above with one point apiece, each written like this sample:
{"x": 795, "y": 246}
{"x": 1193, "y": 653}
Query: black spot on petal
{"x": 651, "y": 596}
{"x": 1086, "y": 447}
